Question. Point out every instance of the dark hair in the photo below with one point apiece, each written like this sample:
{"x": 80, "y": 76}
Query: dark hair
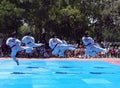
{"x": 13, "y": 34}
{"x": 28, "y": 33}
{"x": 86, "y": 34}
{"x": 53, "y": 36}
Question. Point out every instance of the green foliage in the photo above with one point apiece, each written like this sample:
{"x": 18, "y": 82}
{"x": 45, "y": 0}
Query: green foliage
{"x": 10, "y": 16}
{"x": 68, "y": 18}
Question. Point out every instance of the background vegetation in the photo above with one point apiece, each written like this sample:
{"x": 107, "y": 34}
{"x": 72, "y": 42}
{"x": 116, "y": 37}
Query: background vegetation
{"x": 68, "y": 18}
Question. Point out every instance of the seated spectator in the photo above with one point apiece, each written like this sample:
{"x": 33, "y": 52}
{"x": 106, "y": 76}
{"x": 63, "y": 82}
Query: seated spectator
{"x": 5, "y": 48}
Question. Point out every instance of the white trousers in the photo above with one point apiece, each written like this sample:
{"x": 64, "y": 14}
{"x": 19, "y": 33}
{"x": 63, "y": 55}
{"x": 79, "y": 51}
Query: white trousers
{"x": 60, "y": 49}
{"x": 92, "y": 50}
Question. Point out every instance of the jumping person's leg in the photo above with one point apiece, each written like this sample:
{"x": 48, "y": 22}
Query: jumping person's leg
{"x": 13, "y": 55}
{"x": 99, "y": 49}
{"x": 88, "y": 52}
{"x": 55, "y": 51}
{"x": 63, "y": 48}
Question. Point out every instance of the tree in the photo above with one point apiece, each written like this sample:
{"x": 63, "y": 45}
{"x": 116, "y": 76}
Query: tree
{"x": 68, "y": 18}
{"x": 10, "y": 17}
{"x": 110, "y": 19}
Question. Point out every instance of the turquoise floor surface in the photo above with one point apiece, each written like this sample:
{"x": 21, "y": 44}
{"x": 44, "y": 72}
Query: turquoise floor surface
{"x": 59, "y": 74}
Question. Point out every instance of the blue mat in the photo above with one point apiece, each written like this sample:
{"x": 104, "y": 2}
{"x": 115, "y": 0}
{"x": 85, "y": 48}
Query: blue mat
{"x": 59, "y": 74}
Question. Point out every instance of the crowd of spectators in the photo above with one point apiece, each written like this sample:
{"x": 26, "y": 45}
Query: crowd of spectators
{"x": 113, "y": 49}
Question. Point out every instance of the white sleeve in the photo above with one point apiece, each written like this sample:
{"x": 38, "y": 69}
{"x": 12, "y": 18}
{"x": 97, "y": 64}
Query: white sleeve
{"x": 18, "y": 42}
{"x": 23, "y": 39}
{"x": 50, "y": 44}
{"x": 32, "y": 39}
{"x": 91, "y": 40}
{"x": 59, "y": 41}
{"x": 8, "y": 41}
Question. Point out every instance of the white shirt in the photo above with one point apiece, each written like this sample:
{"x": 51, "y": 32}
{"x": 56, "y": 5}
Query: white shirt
{"x": 53, "y": 42}
{"x": 87, "y": 40}
{"x": 13, "y": 42}
{"x": 28, "y": 39}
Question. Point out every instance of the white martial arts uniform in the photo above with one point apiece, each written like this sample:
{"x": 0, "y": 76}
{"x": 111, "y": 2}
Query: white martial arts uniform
{"x": 91, "y": 47}
{"x": 30, "y": 42}
{"x": 58, "y": 47}
{"x": 15, "y": 45}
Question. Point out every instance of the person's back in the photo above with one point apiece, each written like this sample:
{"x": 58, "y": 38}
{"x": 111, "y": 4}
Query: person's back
{"x": 13, "y": 42}
{"x": 87, "y": 41}
{"x": 53, "y": 42}
{"x": 28, "y": 40}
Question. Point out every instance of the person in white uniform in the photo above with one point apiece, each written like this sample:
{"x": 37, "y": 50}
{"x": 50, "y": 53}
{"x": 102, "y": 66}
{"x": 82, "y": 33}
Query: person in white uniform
{"x": 15, "y": 45}
{"x": 91, "y": 47}
{"x": 58, "y": 47}
{"x": 29, "y": 41}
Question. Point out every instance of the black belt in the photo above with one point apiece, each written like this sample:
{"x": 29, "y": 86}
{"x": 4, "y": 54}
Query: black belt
{"x": 13, "y": 46}
{"x": 55, "y": 46}
{"x": 28, "y": 42}
{"x": 88, "y": 44}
